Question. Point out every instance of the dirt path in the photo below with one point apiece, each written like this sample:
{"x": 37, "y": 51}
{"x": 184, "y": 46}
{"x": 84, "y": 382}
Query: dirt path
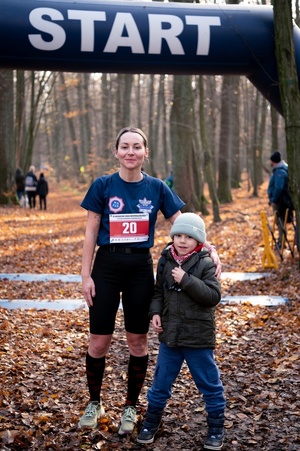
{"x": 42, "y": 353}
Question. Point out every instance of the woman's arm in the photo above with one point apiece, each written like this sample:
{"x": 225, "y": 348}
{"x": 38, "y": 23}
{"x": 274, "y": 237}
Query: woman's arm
{"x": 172, "y": 218}
{"x": 91, "y": 233}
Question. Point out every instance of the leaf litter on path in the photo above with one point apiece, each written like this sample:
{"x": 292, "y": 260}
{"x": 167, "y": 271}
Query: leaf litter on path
{"x": 43, "y": 385}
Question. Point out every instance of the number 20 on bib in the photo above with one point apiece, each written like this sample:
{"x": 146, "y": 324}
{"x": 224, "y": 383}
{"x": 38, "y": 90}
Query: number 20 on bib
{"x": 129, "y": 228}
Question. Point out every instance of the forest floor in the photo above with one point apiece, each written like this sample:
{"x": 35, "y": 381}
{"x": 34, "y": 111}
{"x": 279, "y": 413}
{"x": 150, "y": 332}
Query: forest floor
{"x": 43, "y": 388}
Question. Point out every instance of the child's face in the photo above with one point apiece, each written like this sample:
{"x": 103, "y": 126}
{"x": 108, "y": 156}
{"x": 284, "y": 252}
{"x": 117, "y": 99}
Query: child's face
{"x": 184, "y": 244}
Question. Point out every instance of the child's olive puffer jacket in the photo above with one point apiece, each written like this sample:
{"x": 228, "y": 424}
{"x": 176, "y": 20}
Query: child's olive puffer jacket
{"x": 187, "y": 310}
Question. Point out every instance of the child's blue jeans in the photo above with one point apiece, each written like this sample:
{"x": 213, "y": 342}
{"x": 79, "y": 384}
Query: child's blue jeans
{"x": 203, "y": 369}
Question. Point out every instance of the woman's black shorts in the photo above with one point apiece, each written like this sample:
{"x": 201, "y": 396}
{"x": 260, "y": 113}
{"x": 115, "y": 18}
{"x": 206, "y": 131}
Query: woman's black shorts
{"x": 130, "y": 274}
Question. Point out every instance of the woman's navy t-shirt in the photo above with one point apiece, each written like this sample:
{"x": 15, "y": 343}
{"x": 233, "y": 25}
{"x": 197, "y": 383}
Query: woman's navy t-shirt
{"x": 109, "y": 196}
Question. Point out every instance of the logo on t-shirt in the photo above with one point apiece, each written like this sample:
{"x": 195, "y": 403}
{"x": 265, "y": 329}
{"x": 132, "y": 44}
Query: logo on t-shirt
{"x": 115, "y": 204}
{"x": 144, "y": 205}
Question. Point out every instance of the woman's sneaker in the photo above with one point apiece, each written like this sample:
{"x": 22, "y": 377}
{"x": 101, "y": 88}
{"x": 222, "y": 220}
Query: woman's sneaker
{"x": 92, "y": 413}
{"x": 127, "y": 420}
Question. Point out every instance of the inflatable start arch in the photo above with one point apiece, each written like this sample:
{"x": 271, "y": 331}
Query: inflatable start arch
{"x": 142, "y": 37}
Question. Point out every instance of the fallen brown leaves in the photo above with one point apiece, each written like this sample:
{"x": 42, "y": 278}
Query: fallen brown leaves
{"x": 43, "y": 386}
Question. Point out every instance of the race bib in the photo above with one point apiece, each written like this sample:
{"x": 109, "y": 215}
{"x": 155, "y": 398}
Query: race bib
{"x": 129, "y": 228}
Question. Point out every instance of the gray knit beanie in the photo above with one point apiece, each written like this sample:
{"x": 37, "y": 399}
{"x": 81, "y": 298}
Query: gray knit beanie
{"x": 189, "y": 224}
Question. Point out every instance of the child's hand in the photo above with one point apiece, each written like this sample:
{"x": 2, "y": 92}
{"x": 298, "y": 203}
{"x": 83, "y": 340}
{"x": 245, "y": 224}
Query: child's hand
{"x": 156, "y": 323}
{"x": 178, "y": 274}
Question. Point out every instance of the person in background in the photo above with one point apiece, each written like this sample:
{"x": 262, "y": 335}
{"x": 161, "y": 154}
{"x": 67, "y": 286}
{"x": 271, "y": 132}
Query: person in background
{"x": 278, "y": 191}
{"x": 30, "y": 186}
{"x": 20, "y": 184}
{"x": 182, "y": 311}
{"x": 122, "y": 210}
{"x": 42, "y": 191}
{"x": 169, "y": 180}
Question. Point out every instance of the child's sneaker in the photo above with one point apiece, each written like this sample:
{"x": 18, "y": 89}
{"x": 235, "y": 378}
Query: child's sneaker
{"x": 127, "y": 420}
{"x": 214, "y": 442}
{"x": 215, "y": 435}
{"x": 150, "y": 426}
{"x": 92, "y": 413}
{"x": 147, "y": 434}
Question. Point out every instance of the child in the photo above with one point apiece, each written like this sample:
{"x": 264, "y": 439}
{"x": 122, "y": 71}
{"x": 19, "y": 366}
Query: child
{"x": 182, "y": 311}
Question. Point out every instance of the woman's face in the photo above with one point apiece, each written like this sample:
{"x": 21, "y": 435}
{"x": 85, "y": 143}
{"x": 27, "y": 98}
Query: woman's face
{"x": 131, "y": 151}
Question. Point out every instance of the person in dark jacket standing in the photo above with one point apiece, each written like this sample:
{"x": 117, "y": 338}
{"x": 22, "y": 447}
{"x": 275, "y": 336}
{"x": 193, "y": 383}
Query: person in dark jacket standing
{"x": 30, "y": 186}
{"x": 20, "y": 184}
{"x": 182, "y": 311}
{"x": 278, "y": 191}
{"x": 42, "y": 191}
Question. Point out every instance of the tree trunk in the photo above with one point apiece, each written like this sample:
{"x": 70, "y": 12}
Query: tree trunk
{"x": 274, "y": 126}
{"x": 255, "y": 149}
{"x": 236, "y": 139}
{"x": 208, "y": 157}
{"x": 289, "y": 94}
{"x": 6, "y": 134}
{"x": 72, "y": 128}
{"x": 106, "y": 119}
{"x": 224, "y": 185}
{"x": 20, "y": 119}
{"x": 261, "y": 138}
{"x": 123, "y": 110}
{"x": 166, "y": 157}
{"x": 57, "y": 133}
{"x": 182, "y": 139}
{"x": 87, "y": 138}
{"x": 259, "y": 118}
{"x": 152, "y": 141}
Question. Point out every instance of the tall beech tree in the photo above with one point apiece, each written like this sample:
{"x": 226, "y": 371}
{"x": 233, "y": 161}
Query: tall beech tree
{"x": 289, "y": 93}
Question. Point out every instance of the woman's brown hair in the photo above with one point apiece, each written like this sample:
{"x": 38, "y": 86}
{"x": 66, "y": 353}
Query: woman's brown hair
{"x": 131, "y": 130}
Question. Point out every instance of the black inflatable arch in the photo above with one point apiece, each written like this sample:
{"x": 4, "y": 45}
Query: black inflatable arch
{"x": 142, "y": 37}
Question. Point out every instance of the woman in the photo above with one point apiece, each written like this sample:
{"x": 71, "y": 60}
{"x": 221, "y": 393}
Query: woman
{"x": 30, "y": 186}
{"x": 122, "y": 212}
